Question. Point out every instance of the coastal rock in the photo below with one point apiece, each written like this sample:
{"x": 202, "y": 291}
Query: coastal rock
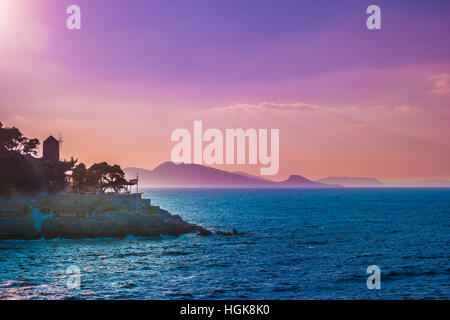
{"x": 91, "y": 216}
{"x": 114, "y": 225}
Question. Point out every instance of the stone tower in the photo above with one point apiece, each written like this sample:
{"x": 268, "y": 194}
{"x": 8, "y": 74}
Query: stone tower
{"x": 51, "y": 150}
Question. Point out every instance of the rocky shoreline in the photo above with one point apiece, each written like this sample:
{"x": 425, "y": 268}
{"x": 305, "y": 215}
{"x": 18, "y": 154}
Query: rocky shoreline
{"x": 63, "y": 219}
{"x": 107, "y": 225}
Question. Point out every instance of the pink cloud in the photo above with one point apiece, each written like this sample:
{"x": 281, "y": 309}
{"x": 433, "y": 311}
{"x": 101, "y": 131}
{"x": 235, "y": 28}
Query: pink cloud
{"x": 406, "y": 109}
{"x": 269, "y": 107}
{"x": 441, "y": 83}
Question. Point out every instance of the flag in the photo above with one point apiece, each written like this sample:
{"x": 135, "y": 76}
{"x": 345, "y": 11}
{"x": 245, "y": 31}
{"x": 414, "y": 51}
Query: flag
{"x": 134, "y": 181}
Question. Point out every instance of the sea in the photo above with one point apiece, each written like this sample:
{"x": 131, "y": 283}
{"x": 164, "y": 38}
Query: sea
{"x": 302, "y": 244}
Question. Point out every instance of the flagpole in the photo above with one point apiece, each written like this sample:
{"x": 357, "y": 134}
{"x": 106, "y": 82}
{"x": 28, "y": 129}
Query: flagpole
{"x": 137, "y": 193}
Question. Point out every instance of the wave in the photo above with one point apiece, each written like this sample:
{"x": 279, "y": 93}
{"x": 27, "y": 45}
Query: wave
{"x": 176, "y": 253}
{"x": 317, "y": 242}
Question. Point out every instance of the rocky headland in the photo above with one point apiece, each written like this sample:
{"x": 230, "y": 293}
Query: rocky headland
{"x": 91, "y": 216}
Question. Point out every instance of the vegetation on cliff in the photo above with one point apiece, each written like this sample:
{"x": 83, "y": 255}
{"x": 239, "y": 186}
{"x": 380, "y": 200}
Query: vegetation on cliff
{"x": 101, "y": 175}
{"x": 22, "y": 172}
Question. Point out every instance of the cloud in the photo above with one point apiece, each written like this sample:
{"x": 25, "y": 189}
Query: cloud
{"x": 406, "y": 109}
{"x": 349, "y": 111}
{"x": 271, "y": 106}
{"x": 369, "y": 127}
{"x": 441, "y": 83}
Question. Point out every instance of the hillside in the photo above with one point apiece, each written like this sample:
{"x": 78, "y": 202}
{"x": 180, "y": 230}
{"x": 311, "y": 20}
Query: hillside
{"x": 170, "y": 175}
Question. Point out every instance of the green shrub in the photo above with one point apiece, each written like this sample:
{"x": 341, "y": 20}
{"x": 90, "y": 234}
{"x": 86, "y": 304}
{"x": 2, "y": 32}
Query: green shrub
{"x": 101, "y": 205}
{"x": 149, "y": 209}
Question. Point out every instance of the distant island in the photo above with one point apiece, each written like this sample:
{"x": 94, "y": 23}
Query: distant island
{"x": 432, "y": 183}
{"x": 170, "y": 175}
{"x": 353, "y": 182}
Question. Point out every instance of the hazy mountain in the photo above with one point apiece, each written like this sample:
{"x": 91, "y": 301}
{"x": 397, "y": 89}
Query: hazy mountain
{"x": 170, "y": 175}
{"x": 248, "y": 175}
{"x": 353, "y": 182}
{"x": 296, "y": 180}
{"x": 420, "y": 184}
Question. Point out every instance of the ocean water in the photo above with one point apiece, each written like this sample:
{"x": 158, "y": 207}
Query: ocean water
{"x": 305, "y": 244}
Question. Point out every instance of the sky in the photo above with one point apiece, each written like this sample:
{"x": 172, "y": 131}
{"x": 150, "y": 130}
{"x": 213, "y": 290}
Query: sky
{"x": 348, "y": 101}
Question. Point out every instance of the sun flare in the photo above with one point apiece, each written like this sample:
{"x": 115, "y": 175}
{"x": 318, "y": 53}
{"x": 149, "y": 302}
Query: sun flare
{"x": 7, "y": 11}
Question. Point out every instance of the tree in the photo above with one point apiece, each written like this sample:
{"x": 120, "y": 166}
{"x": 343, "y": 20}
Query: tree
{"x": 80, "y": 176}
{"x": 21, "y": 172}
{"x": 106, "y": 176}
{"x": 12, "y": 140}
{"x": 56, "y": 174}
{"x": 18, "y": 166}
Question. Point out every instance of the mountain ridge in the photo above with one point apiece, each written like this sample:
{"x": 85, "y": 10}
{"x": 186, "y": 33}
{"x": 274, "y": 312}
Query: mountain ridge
{"x": 170, "y": 175}
{"x": 353, "y": 182}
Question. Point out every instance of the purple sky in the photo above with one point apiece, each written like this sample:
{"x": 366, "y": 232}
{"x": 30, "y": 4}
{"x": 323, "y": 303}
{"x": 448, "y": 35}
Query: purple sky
{"x": 153, "y": 66}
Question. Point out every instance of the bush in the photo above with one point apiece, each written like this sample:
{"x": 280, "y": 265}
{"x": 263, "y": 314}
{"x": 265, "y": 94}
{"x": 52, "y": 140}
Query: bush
{"x": 149, "y": 209}
{"x": 100, "y": 205}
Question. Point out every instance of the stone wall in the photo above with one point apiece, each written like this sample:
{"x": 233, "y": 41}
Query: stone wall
{"x": 128, "y": 201}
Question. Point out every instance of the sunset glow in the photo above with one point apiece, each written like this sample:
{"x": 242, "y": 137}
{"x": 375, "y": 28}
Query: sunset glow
{"x": 218, "y": 159}
{"x": 6, "y": 15}
{"x": 348, "y": 101}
